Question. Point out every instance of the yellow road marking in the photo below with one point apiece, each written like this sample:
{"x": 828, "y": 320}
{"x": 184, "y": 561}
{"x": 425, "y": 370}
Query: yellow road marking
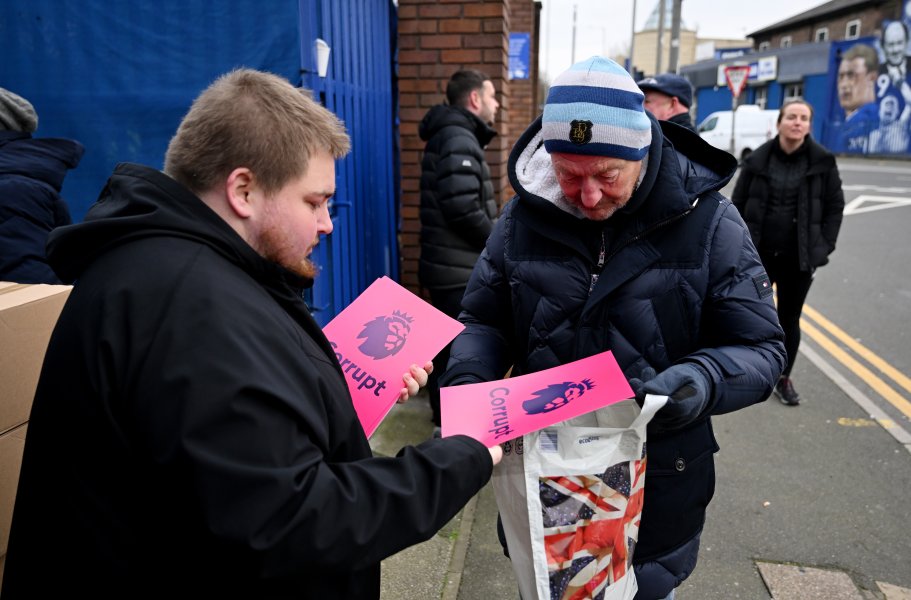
{"x": 880, "y": 386}
{"x": 857, "y": 422}
{"x": 859, "y": 348}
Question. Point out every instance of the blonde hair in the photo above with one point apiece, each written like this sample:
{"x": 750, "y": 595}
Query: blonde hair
{"x": 256, "y": 120}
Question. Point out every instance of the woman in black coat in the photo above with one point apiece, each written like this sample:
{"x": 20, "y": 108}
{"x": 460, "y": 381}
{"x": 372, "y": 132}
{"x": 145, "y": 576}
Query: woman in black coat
{"x": 789, "y": 193}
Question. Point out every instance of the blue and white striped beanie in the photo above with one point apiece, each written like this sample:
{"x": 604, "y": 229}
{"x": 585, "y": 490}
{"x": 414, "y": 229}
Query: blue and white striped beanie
{"x": 596, "y": 108}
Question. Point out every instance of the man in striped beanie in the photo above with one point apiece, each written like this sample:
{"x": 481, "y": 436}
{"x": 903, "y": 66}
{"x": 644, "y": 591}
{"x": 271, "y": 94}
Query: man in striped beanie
{"x": 594, "y": 122}
{"x": 617, "y": 239}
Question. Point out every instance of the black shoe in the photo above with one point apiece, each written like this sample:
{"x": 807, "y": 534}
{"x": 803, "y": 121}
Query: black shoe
{"x": 785, "y": 391}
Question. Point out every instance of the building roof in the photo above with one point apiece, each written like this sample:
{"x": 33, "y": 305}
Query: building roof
{"x": 794, "y": 64}
{"x": 822, "y": 11}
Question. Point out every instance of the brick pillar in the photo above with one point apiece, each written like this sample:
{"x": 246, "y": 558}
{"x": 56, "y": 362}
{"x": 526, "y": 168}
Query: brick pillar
{"x": 523, "y": 93}
{"x": 436, "y": 39}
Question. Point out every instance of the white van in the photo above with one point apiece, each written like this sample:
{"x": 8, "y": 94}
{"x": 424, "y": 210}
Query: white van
{"x": 754, "y": 128}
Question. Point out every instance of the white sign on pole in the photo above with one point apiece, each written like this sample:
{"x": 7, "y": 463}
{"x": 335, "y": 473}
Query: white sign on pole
{"x": 737, "y": 78}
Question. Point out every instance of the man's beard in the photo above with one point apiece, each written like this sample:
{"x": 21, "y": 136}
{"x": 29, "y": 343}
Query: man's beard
{"x": 273, "y": 246}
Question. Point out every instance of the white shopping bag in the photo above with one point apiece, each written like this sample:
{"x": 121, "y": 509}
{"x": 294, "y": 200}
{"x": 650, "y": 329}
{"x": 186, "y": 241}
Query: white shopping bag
{"x": 570, "y": 499}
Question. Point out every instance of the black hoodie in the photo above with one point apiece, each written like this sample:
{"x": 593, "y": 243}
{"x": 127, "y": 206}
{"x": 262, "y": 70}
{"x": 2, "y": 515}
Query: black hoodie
{"x": 192, "y": 432}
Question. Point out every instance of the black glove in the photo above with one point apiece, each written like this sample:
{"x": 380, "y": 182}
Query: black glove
{"x": 687, "y": 386}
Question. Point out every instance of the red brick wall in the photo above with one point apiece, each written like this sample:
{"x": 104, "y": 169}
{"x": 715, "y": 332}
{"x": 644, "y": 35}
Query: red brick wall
{"x": 436, "y": 39}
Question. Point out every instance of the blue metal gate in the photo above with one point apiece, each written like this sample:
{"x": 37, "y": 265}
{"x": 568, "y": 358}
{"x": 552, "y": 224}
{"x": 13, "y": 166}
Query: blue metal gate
{"x": 358, "y": 88}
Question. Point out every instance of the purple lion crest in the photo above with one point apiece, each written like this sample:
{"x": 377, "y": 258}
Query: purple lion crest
{"x": 556, "y": 395}
{"x": 385, "y": 335}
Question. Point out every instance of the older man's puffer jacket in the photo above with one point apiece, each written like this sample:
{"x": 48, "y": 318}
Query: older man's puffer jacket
{"x": 681, "y": 282}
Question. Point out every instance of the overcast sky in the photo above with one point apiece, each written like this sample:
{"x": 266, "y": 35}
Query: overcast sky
{"x": 605, "y": 26}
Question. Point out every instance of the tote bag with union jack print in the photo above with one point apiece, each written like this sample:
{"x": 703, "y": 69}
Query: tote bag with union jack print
{"x": 572, "y": 533}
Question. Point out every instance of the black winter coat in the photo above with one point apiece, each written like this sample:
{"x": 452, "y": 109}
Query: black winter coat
{"x": 820, "y": 202}
{"x": 458, "y": 208}
{"x": 192, "y": 432}
{"x": 681, "y": 282}
{"x": 31, "y": 175}
{"x": 684, "y": 120}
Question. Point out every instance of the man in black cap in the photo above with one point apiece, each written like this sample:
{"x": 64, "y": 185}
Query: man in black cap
{"x": 669, "y": 97}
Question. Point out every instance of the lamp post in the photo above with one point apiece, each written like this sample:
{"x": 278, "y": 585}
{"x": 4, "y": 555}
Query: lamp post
{"x": 573, "y": 61}
{"x": 660, "y": 36}
{"x": 632, "y": 39}
{"x": 675, "y": 37}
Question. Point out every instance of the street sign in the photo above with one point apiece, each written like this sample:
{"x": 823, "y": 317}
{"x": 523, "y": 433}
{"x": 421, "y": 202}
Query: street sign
{"x": 519, "y": 48}
{"x": 737, "y": 78}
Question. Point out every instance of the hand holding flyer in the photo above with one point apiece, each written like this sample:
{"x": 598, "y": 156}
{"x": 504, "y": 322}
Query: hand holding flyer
{"x": 498, "y": 411}
{"x": 377, "y": 337}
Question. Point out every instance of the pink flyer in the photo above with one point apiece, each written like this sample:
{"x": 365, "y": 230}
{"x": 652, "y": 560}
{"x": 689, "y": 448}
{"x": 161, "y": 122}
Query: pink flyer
{"x": 498, "y": 411}
{"x": 378, "y": 337}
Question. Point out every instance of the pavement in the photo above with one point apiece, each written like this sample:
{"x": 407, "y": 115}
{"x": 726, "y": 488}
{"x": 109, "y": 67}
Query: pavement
{"x": 811, "y": 502}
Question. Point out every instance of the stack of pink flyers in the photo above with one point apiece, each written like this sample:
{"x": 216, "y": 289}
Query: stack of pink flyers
{"x": 498, "y": 411}
{"x": 378, "y": 337}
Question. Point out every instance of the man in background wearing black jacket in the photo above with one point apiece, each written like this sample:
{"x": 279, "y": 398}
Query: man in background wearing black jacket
{"x": 458, "y": 208}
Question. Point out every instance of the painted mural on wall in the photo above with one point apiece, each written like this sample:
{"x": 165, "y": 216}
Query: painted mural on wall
{"x": 872, "y": 79}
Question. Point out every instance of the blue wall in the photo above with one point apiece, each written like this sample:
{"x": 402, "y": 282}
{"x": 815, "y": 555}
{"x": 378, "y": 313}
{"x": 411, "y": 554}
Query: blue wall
{"x": 119, "y": 75}
{"x": 817, "y": 93}
{"x": 709, "y": 100}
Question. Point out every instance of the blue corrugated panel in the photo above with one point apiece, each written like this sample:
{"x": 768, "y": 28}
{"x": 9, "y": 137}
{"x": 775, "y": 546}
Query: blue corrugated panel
{"x": 118, "y": 75}
{"x": 358, "y": 88}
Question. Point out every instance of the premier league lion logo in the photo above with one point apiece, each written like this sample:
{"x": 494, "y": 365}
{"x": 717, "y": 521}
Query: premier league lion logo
{"x": 385, "y": 336}
{"x": 556, "y": 395}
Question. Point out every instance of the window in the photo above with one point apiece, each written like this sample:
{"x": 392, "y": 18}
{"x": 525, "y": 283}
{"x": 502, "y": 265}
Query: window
{"x": 786, "y": 41}
{"x": 793, "y": 90}
{"x": 822, "y": 34}
{"x": 708, "y": 124}
{"x": 761, "y": 97}
{"x": 764, "y": 46}
{"x": 852, "y": 30}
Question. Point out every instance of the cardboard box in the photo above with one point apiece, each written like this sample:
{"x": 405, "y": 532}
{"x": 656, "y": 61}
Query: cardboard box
{"x": 12, "y": 444}
{"x": 28, "y": 314}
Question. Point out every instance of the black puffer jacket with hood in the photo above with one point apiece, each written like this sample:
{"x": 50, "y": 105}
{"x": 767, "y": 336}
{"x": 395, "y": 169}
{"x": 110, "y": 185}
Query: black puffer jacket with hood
{"x": 31, "y": 175}
{"x": 680, "y": 281}
{"x": 458, "y": 208}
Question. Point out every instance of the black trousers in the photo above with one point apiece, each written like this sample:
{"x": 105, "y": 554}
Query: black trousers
{"x": 448, "y": 301}
{"x": 792, "y": 286}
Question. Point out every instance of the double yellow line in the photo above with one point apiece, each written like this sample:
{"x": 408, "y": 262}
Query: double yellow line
{"x": 812, "y": 323}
